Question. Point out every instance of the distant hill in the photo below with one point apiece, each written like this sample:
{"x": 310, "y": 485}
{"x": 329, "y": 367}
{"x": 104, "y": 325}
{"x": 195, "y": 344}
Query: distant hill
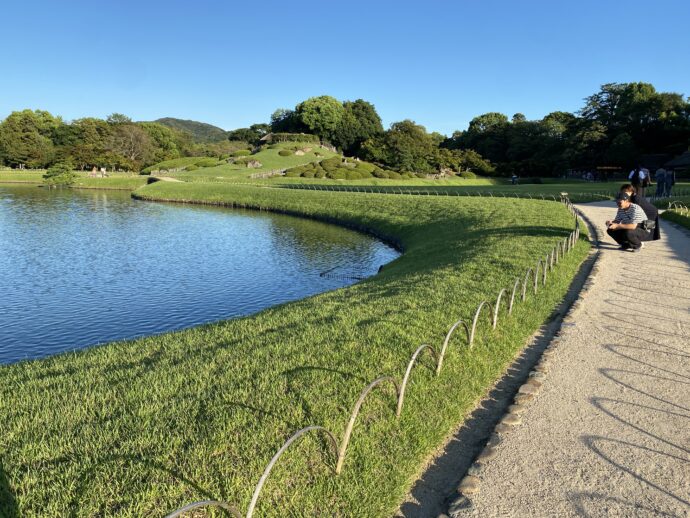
{"x": 200, "y": 131}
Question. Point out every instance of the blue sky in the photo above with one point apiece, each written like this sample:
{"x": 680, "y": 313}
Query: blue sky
{"x": 439, "y": 63}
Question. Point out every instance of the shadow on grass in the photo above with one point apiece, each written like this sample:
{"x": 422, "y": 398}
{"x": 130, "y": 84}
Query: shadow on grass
{"x": 8, "y": 504}
{"x": 81, "y": 488}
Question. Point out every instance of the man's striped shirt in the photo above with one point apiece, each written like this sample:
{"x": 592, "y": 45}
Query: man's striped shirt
{"x": 633, "y": 214}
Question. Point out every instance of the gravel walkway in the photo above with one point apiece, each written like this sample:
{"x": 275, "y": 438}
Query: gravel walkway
{"x": 609, "y": 432}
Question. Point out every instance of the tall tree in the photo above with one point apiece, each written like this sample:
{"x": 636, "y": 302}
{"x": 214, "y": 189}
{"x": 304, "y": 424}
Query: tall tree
{"x": 26, "y": 138}
{"x": 322, "y": 115}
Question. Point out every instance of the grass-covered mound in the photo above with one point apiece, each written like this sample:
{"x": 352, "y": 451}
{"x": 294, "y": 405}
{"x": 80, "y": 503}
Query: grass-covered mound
{"x": 139, "y": 428}
{"x": 187, "y": 163}
{"x": 271, "y": 157}
{"x": 341, "y": 168}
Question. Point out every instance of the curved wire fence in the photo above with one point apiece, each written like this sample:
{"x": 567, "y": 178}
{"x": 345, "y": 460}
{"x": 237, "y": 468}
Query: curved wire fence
{"x": 581, "y": 196}
{"x": 531, "y": 278}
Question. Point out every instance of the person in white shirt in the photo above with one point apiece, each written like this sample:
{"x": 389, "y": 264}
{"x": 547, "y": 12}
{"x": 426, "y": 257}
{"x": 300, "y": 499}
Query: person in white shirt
{"x": 640, "y": 179}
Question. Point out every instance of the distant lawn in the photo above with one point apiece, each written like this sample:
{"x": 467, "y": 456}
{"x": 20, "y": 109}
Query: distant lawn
{"x": 139, "y": 428}
{"x": 118, "y": 181}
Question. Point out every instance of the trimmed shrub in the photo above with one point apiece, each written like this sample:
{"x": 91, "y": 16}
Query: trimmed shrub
{"x": 308, "y": 174}
{"x": 285, "y": 152}
{"x": 467, "y": 175}
{"x": 407, "y": 175}
{"x": 380, "y": 173}
{"x": 338, "y": 174}
{"x": 320, "y": 174}
{"x": 294, "y": 137}
{"x": 206, "y": 162}
{"x": 241, "y": 152}
{"x": 365, "y": 167}
{"x": 292, "y": 174}
{"x": 191, "y": 167}
{"x": 420, "y": 175}
{"x": 394, "y": 176}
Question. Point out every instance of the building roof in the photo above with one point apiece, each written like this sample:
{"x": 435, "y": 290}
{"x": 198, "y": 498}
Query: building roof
{"x": 680, "y": 161}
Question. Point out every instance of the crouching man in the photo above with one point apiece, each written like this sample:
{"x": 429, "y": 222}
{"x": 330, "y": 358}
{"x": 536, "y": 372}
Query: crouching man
{"x": 624, "y": 228}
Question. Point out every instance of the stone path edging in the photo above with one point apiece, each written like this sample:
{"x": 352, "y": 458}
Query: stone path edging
{"x": 470, "y": 484}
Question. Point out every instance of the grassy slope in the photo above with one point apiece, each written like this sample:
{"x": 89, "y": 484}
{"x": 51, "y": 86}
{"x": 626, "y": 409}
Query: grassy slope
{"x": 269, "y": 158}
{"x": 141, "y": 427}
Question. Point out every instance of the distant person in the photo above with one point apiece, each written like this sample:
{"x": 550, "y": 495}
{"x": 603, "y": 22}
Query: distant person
{"x": 640, "y": 179}
{"x": 624, "y": 228}
{"x": 514, "y": 179}
{"x": 670, "y": 181}
{"x": 660, "y": 179}
{"x": 650, "y": 210}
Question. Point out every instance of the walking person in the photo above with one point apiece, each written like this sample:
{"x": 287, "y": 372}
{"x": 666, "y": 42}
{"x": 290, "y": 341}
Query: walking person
{"x": 660, "y": 179}
{"x": 670, "y": 180}
{"x": 624, "y": 228}
{"x": 640, "y": 179}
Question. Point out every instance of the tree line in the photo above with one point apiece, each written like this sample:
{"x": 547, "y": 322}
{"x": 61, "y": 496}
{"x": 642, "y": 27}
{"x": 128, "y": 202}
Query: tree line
{"x": 37, "y": 139}
{"x": 618, "y": 126}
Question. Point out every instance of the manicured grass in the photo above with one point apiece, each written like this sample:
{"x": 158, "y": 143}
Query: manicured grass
{"x": 127, "y": 182}
{"x": 17, "y": 176}
{"x": 269, "y": 158}
{"x": 141, "y": 427}
{"x": 678, "y": 214}
{"x": 117, "y": 181}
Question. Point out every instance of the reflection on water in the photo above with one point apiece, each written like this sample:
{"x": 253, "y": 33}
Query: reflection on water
{"x": 84, "y": 267}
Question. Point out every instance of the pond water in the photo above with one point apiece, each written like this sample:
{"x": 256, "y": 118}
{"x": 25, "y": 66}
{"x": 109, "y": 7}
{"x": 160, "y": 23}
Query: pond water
{"x": 78, "y": 268}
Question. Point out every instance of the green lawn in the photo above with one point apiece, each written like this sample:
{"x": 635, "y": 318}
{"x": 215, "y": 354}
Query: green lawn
{"x": 139, "y": 428}
{"x": 119, "y": 181}
{"x": 270, "y": 160}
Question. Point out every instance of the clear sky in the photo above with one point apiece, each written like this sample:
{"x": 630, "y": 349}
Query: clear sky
{"x": 439, "y": 63}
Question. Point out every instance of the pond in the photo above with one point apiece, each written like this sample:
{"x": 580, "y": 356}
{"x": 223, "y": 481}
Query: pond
{"x": 79, "y": 268}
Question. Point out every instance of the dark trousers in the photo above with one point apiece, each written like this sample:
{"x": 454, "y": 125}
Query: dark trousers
{"x": 630, "y": 238}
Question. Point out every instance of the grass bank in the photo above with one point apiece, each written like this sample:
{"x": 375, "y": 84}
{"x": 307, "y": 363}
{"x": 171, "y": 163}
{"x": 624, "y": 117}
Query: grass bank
{"x": 138, "y": 428}
{"x": 116, "y": 181}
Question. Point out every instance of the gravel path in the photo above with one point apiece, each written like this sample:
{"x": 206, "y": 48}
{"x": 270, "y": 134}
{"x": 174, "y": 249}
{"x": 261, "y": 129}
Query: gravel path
{"x": 609, "y": 432}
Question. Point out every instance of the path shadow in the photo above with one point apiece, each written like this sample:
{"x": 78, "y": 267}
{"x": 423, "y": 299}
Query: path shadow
{"x": 594, "y": 443}
{"x": 599, "y": 501}
{"x": 599, "y": 403}
{"x": 625, "y": 331}
{"x": 608, "y": 373}
{"x": 637, "y": 288}
{"x": 613, "y": 349}
{"x": 8, "y": 503}
{"x": 625, "y": 297}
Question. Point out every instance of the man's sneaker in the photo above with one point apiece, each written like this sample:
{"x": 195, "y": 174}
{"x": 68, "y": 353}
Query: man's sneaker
{"x": 642, "y": 245}
{"x": 638, "y": 249}
{"x": 624, "y": 247}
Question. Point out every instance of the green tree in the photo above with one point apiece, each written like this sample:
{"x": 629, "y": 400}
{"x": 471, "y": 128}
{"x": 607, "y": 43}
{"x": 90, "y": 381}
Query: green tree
{"x": 132, "y": 143}
{"x": 60, "y": 175}
{"x": 406, "y": 146}
{"x": 359, "y": 123}
{"x": 26, "y": 138}
{"x": 287, "y": 121}
{"x": 87, "y": 143}
{"x": 165, "y": 142}
{"x": 322, "y": 115}
{"x": 118, "y": 118}
{"x": 251, "y": 135}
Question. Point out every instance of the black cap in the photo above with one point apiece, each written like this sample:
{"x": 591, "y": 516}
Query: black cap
{"x": 622, "y": 195}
